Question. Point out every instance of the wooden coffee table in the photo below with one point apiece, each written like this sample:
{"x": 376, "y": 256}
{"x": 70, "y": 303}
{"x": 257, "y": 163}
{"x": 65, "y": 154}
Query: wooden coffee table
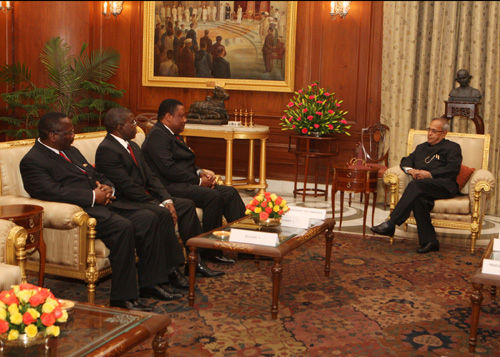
{"x": 288, "y": 244}
{"x": 94, "y": 330}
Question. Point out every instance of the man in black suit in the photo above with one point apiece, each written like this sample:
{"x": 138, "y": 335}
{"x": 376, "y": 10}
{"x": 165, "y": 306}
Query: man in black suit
{"x": 434, "y": 166}
{"x": 174, "y": 163}
{"x": 121, "y": 160}
{"x": 53, "y": 170}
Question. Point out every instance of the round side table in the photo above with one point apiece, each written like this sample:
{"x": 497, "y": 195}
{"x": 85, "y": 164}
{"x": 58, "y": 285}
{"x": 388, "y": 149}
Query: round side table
{"x": 30, "y": 218}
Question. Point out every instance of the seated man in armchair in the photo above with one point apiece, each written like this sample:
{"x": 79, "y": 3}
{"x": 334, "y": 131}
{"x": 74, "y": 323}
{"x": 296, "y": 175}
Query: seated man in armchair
{"x": 173, "y": 161}
{"x": 434, "y": 167}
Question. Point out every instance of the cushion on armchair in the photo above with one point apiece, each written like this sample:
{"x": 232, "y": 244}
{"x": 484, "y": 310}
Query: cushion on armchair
{"x": 464, "y": 176}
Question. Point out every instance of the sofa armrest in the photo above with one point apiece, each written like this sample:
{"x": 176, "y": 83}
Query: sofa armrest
{"x": 397, "y": 181}
{"x": 480, "y": 181}
{"x": 55, "y": 214}
{"x": 12, "y": 246}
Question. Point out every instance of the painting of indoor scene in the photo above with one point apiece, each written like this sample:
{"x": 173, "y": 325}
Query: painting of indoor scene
{"x": 218, "y": 39}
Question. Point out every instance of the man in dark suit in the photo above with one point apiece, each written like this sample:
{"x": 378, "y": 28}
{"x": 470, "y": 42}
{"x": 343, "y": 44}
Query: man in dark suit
{"x": 53, "y": 170}
{"x": 121, "y": 160}
{"x": 174, "y": 163}
{"x": 434, "y": 167}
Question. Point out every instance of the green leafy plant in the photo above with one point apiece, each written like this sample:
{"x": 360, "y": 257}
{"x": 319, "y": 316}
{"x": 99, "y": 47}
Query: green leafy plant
{"x": 78, "y": 87}
{"x": 315, "y": 110}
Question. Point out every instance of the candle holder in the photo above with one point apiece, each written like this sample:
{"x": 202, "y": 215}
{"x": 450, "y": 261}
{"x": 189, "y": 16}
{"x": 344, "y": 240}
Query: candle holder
{"x": 246, "y": 116}
{"x": 251, "y": 117}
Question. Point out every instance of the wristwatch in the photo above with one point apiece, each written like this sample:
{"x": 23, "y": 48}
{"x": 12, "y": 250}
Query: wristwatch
{"x": 166, "y": 202}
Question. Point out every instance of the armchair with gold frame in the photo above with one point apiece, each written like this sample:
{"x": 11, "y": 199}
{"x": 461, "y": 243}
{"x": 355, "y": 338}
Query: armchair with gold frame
{"x": 461, "y": 212}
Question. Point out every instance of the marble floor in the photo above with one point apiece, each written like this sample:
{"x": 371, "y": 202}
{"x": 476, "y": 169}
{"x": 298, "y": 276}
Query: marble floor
{"x": 353, "y": 217}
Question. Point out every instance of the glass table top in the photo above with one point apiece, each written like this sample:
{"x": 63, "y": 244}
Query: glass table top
{"x": 247, "y": 223}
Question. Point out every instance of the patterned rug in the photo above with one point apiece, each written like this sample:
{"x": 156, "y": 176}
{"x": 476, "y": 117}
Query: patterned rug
{"x": 380, "y": 300}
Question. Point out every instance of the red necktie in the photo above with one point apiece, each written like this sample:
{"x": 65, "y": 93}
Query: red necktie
{"x": 67, "y": 158}
{"x": 64, "y": 155}
{"x": 132, "y": 154}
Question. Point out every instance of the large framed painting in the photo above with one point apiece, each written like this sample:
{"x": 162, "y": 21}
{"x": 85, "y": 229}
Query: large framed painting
{"x": 243, "y": 45}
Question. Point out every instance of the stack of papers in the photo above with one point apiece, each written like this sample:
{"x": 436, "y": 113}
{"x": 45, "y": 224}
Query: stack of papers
{"x": 491, "y": 264}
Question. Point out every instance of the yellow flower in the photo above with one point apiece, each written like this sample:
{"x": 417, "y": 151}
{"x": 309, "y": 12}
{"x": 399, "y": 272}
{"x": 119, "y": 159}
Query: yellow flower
{"x": 2, "y": 305}
{"x": 16, "y": 318}
{"x": 276, "y": 208}
{"x": 15, "y": 288}
{"x": 247, "y": 212}
{"x": 49, "y": 306}
{"x": 270, "y": 204}
{"x": 33, "y": 312}
{"x": 24, "y": 295}
{"x": 63, "y": 318}
{"x": 31, "y": 330}
{"x": 3, "y": 314}
{"x": 285, "y": 209}
{"x": 53, "y": 330}
{"x": 283, "y": 203}
{"x": 258, "y": 210}
{"x": 13, "y": 335}
{"x": 274, "y": 196}
{"x": 13, "y": 308}
{"x": 259, "y": 198}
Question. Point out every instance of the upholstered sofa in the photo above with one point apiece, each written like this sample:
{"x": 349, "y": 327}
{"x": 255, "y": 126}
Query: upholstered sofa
{"x": 12, "y": 254}
{"x": 69, "y": 233}
{"x": 461, "y": 212}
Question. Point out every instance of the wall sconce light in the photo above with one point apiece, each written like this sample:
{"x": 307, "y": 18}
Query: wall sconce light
{"x": 340, "y": 8}
{"x": 112, "y": 8}
{"x": 5, "y": 8}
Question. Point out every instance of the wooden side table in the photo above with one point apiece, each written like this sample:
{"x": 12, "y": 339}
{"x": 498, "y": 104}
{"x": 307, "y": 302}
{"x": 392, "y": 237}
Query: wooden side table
{"x": 357, "y": 181}
{"x": 479, "y": 280}
{"x": 312, "y": 147}
{"x": 30, "y": 217}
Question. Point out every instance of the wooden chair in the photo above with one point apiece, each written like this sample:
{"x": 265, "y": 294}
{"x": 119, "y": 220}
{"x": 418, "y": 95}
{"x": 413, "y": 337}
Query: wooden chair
{"x": 375, "y": 146}
{"x": 146, "y": 121}
{"x": 461, "y": 212}
{"x": 279, "y": 52}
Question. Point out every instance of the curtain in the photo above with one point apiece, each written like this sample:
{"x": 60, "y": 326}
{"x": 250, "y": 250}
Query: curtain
{"x": 424, "y": 44}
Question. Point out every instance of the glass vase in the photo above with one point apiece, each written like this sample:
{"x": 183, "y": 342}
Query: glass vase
{"x": 24, "y": 346}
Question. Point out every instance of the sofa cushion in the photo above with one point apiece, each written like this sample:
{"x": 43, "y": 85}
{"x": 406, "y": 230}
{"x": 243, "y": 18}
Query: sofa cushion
{"x": 464, "y": 176}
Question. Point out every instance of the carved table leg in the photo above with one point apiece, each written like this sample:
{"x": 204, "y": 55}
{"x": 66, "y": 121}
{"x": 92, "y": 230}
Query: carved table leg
{"x": 160, "y": 343}
{"x": 192, "y": 261}
{"x": 328, "y": 254}
{"x": 276, "y": 272}
{"x": 367, "y": 200}
{"x": 476, "y": 299}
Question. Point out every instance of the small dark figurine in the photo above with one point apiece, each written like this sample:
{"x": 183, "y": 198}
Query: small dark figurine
{"x": 464, "y": 93}
{"x": 211, "y": 110}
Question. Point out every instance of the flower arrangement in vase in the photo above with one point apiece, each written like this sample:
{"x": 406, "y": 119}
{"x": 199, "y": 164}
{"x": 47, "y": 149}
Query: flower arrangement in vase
{"x": 314, "y": 111}
{"x": 267, "y": 209}
{"x": 27, "y": 310}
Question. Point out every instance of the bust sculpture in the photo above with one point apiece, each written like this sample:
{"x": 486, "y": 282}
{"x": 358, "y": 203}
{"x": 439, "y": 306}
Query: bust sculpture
{"x": 464, "y": 93}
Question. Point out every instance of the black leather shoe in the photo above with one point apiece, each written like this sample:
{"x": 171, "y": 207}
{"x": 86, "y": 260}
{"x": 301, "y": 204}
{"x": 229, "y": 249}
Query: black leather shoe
{"x": 203, "y": 270}
{"x": 130, "y": 305}
{"x": 384, "y": 229}
{"x": 178, "y": 280}
{"x": 158, "y": 293}
{"x": 429, "y": 247}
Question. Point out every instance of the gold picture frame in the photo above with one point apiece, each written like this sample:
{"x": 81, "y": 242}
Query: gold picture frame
{"x": 247, "y": 70}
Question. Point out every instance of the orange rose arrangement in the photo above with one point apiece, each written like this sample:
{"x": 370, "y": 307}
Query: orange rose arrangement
{"x": 29, "y": 309}
{"x": 267, "y": 205}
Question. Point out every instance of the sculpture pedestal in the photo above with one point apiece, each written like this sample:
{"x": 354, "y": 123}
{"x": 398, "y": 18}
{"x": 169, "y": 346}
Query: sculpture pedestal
{"x": 465, "y": 109}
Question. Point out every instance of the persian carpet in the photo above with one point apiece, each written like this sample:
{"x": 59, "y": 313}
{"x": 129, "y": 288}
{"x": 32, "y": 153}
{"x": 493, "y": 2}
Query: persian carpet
{"x": 380, "y": 300}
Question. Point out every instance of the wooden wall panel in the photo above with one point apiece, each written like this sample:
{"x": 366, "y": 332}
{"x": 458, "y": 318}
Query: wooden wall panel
{"x": 342, "y": 54}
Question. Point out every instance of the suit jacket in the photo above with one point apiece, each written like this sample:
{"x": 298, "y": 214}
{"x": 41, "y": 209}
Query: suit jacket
{"x": 49, "y": 177}
{"x": 221, "y": 68}
{"x": 169, "y": 157}
{"x": 131, "y": 181}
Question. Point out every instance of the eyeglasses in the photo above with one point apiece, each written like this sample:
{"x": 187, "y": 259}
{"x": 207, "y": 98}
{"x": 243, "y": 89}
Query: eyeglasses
{"x": 133, "y": 122}
{"x": 71, "y": 132}
{"x": 434, "y": 131}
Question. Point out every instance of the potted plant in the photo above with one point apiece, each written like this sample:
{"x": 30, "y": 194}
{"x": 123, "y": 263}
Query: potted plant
{"x": 78, "y": 87}
{"x": 315, "y": 112}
